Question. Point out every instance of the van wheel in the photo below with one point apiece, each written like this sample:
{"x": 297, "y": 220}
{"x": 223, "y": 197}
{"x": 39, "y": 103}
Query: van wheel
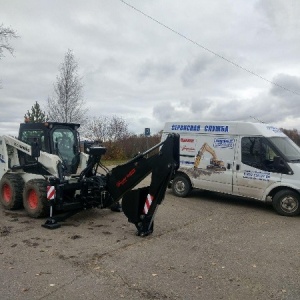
{"x": 11, "y": 188}
{"x": 181, "y": 186}
{"x": 287, "y": 203}
{"x": 35, "y": 198}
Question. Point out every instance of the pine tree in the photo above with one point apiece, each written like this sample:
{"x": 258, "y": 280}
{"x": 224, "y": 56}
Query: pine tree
{"x": 36, "y": 115}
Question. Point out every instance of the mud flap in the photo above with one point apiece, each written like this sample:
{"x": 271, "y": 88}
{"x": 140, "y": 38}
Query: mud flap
{"x": 133, "y": 207}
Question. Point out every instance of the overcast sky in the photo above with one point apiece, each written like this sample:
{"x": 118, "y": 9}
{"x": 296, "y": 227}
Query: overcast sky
{"x": 136, "y": 68}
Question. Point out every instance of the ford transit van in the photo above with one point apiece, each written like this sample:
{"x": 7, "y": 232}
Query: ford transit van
{"x": 245, "y": 159}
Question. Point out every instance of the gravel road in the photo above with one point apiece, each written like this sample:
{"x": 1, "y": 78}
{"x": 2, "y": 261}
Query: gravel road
{"x": 207, "y": 246}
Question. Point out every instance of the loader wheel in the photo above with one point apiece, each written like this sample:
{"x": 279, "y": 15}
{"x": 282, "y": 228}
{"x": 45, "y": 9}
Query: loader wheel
{"x": 287, "y": 203}
{"x": 35, "y": 198}
{"x": 181, "y": 186}
{"x": 11, "y": 188}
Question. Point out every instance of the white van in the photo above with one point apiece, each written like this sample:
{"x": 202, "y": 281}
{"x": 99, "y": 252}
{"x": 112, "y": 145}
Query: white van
{"x": 246, "y": 159}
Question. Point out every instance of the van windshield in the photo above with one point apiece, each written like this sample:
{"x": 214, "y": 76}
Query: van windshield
{"x": 287, "y": 147}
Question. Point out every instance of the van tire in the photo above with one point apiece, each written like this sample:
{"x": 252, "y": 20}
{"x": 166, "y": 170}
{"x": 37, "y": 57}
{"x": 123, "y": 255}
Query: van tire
{"x": 181, "y": 186}
{"x": 287, "y": 203}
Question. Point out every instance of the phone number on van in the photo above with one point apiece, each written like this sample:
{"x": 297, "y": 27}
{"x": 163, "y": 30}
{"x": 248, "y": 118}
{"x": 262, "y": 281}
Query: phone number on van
{"x": 265, "y": 176}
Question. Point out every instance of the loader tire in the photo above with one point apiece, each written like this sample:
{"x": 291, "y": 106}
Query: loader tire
{"x": 11, "y": 189}
{"x": 35, "y": 198}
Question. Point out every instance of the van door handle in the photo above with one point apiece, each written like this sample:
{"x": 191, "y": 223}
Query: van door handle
{"x": 237, "y": 167}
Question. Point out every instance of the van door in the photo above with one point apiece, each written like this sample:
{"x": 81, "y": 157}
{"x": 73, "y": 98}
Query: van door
{"x": 255, "y": 167}
{"x": 212, "y": 168}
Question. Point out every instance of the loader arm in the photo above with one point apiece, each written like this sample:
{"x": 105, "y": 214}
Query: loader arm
{"x": 140, "y": 205}
{"x": 48, "y": 161}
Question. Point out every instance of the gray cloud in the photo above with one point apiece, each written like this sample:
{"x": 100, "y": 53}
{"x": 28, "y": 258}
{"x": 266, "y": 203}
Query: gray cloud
{"x": 195, "y": 67}
{"x": 292, "y": 83}
{"x": 156, "y": 70}
{"x": 280, "y": 16}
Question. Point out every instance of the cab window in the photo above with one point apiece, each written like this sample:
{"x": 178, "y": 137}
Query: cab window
{"x": 28, "y": 136}
{"x": 63, "y": 140}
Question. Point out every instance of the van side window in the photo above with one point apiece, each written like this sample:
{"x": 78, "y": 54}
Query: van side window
{"x": 251, "y": 151}
{"x": 258, "y": 153}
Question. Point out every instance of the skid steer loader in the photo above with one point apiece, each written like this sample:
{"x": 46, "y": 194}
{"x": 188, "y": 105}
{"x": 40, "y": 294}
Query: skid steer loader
{"x": 45, "y": 171}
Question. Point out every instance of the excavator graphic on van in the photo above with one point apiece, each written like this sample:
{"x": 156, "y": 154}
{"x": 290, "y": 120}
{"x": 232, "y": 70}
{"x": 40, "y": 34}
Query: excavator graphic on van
{"x": 215, "y": 163}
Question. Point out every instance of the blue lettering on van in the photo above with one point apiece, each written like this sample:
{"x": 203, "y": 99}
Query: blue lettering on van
{"x": 216, "y": 128}
{"x": 257, "y": 175}
{"x": 185, "y": 127}
{"x": 223, "y": 143}
{"x": 274, "y": 129}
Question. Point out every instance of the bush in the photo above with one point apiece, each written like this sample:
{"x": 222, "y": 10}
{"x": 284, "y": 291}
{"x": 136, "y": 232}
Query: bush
{"x": 128, "y": 147}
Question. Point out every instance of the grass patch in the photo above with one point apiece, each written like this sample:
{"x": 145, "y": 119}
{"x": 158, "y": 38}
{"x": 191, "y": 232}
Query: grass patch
{"x": 113, "y": 162}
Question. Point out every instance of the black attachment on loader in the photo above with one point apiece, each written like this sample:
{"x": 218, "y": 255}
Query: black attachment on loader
{"x": 96, "y": 190}
{"x": 140, "y": 205}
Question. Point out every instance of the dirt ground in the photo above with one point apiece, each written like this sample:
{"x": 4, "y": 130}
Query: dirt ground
{"x": 207, "y": 246}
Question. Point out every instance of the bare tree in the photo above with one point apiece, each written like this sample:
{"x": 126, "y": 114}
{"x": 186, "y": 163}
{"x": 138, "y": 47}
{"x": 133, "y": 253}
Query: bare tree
{"x": 106, "y": 128}
{"x": 6, "y": 33}
{"x": 67, "y": 104}
{"x": 118, "y": 128}
{"x": 97, "y": 129}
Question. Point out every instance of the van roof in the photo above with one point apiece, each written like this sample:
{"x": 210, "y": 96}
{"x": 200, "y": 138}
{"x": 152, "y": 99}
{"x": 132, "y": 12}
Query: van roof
{"x": 224, "y": 128}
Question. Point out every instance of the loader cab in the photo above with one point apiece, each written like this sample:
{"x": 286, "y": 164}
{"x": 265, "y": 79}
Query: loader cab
{"x": 61, "y": 139}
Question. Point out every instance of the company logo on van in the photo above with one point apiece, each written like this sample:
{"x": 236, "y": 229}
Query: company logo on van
{"x": 185, "y": 140}
{"x": 188, "y": 149}
{"x": 216, "y": 128}
{"x": 224, "y": 143}
{"x": 185, "y": 127}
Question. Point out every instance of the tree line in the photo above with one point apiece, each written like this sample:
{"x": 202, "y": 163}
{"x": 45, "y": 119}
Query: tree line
{"x": 293, "y": 134}
{"x": 109, "y": 131}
